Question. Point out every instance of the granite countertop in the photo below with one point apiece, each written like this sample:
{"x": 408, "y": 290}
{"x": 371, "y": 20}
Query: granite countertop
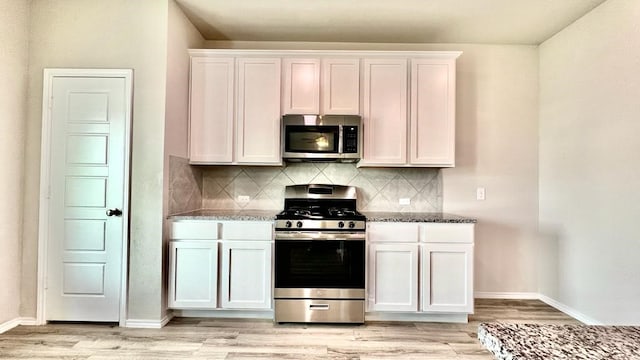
{"x": 269, "y": 215}
{"x": 416, "y": 217}
{"x": 211, "y": 214}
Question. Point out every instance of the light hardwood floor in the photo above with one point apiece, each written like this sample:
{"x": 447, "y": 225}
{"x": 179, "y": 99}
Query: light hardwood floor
{"x": 205, "y": 338}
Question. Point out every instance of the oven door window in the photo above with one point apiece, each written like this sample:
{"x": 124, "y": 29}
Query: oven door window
{"x": 311, "y": 139}
{"x": 333, "y": 264}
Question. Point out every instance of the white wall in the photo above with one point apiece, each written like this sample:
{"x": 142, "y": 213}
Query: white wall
{"x": 181, "y": 36}
{"x": 107, "y": 34}
{"x": 590, "y": 164}
{"x": 14, "y": 40}
{"x": 496, "y": 148}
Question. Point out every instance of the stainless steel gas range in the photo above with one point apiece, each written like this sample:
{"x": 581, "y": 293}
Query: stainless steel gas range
{"x": 320, "y": 256}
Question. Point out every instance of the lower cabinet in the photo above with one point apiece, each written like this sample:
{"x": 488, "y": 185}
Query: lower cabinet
{"x": 420, "y": 268}
{"x": 227, "y": 266}
{"x": 193, "y": 279}
{"x": 245, "y": 274}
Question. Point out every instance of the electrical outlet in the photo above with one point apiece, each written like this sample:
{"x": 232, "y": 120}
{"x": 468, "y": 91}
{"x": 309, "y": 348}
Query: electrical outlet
{"x": 244, "y": 198}
{"x": 480, "y": 193}
{"x": 405, "y": 201}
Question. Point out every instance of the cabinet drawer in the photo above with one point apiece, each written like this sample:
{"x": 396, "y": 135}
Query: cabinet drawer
{"x": 447, "y": 233}
{"x": 247, "y": 230}
{"x": 195, "y": 230}
{"x": 392, "y": 232}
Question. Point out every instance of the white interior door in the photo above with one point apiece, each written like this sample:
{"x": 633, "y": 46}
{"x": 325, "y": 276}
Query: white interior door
{"x": 86, "y": 212}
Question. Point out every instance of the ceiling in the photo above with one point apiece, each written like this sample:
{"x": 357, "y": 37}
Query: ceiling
{"x": 385, "y": 21}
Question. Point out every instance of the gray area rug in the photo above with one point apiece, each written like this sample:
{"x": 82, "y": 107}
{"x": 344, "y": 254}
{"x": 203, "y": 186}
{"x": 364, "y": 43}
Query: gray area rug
{"x": 538, "y": 341}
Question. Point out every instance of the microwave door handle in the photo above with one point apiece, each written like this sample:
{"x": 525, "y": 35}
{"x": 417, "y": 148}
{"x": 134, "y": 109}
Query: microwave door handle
{"x": 340, "y": 135}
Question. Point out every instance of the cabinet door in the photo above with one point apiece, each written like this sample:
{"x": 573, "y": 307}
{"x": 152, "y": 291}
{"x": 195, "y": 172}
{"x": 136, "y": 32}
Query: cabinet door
{"x": 393, "y": 277}
{"x": 193, "y": 274}
{"x": 433, "y": 108}
{"x": 385, "y": 112}
{"x": 211, "y": 110}
{"x": 246, "y": 274}
{"x": 258, "y": 115}
{"x": 301, "y": 92}
{"x": 447, "y": 278}
{"x": 341, "y": 86}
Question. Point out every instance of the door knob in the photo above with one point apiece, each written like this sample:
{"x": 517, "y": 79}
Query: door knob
{"x": 114, "y": 212}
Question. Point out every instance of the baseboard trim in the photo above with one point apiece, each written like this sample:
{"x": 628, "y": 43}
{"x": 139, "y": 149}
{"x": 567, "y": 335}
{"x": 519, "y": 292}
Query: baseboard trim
{"x": 8, "y": 325}
{"x": 537, "y": 296}
{"x": 507, "y": 295}
{"x": 569, "y": 310}
{"x": 149, "y": 324}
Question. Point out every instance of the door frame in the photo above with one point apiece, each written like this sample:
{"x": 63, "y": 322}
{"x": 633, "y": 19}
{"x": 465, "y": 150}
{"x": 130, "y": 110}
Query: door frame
{"x": 45, "y": 180}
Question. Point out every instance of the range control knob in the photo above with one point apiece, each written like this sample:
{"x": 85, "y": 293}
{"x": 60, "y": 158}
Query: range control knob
{"x": 352, "y": 224}
{"x": 340, "y": 224}
{"x": 299, "y": 224}
{"x": 288, "y": 224}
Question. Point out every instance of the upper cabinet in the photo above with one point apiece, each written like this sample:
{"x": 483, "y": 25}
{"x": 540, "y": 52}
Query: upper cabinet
{"x": 235, "y": 111}
{"x": 415, "y": 130}
{"x": 406, "y": 100}
{"x": 321, "y": 86}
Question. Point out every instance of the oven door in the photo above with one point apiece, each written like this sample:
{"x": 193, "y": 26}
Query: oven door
{"x": 319, "y": 264}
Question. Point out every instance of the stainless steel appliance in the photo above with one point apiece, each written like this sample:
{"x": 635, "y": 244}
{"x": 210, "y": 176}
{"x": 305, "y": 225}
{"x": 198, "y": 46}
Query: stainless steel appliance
{"x": 320, "y": 256}
{"x": 322, "y": 138}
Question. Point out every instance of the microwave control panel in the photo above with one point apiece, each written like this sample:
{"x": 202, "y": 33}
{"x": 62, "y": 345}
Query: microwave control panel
{"x": 350, "y": 139}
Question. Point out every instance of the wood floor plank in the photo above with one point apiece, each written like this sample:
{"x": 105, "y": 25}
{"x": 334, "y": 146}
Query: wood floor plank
{"x": 208, "y": 338}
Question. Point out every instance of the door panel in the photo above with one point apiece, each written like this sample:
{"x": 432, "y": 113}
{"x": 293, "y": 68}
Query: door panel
{"x": 193, "y": 274}
{"x": 385, "y": 111}
{"x": 87, "y": 177}
{"x": 246, "y": 274}
{"x": 393, "y": 277}
{"x": 258, "y": 114}
{"x": 447, "y": 277}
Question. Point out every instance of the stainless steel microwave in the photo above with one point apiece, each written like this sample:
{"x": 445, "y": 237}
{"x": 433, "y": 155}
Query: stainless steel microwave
{"x": 322, "y": 138}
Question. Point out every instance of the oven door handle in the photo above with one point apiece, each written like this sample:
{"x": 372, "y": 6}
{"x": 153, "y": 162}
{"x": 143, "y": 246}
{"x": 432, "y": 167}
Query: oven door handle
{"x": 318, "y": 306}
{"x": 309, "y": 235}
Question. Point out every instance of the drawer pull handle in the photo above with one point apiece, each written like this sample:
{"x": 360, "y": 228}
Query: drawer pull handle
{"x": 319, "y": 307}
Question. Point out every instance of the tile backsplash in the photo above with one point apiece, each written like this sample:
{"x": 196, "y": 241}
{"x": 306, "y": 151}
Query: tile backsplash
{"x": 379, "y": 189}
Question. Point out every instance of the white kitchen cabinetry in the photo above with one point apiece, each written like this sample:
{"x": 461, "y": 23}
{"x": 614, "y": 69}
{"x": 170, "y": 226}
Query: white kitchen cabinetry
{"x": 245, "y": 271}
{"x": 211, "y": 110}
{"x": 427, "y": 136}
{"x": 407, "y": 102}
{"x": 393, "y": 277}
{"x": 385, "y": 112}
{"x": 225, "y": 260}
{"x": 258, "y": 111}
{"x": 193, "y": 265}
{"x": 447, "y": 267}
{"x": 193, "y": 280}
{"x": 336, "y": 88}
{"x": 432, "y": 140}
{"x": 341, "y": 86}
{"x": 393, "y": 267}
{"x": 442, "y": 255}
{"x": 234, "y": 110}
{"x": 301, "y": 88}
